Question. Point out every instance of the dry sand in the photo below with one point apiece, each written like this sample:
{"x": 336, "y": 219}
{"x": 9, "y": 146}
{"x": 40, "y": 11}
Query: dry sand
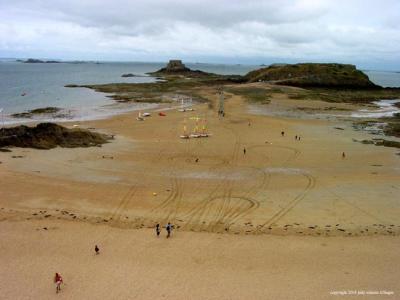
{"x": 134, "y": 264}
{"x": 298, "y": 220}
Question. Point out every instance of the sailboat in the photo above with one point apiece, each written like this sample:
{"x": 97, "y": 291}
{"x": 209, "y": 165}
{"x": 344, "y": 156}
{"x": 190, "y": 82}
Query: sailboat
{"x": 204, "y": 129}
{"x": 140, "y": 117}
{"x": 184, "y": 135}
{"x": 182, "y": 109}
{"x": 196, "y": 133}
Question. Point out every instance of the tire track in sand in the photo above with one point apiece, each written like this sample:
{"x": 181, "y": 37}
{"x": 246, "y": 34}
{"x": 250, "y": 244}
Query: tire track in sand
{"x": 219, "y": 212}
{"x": 292, "y": 203}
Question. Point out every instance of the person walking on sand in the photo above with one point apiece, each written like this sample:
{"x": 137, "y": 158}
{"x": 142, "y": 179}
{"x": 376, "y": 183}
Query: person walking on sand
{"x": 168, "y": 227}
{"x": 58, "y": 281}
{"x": 158, "y": 230}
{"x": 244, "y": 151}
{"x": 343, "y": 155}
{"x": 282, "y": 133}
{"x": 96, "y": 249}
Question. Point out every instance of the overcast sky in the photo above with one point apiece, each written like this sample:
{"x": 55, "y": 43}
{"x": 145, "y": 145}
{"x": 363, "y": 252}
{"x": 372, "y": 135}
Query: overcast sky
{"x": 363, "y": 32}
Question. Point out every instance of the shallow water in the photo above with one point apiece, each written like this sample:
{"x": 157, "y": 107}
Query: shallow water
{"x": 385, "y": 108}
{"x": 25, "y": 87}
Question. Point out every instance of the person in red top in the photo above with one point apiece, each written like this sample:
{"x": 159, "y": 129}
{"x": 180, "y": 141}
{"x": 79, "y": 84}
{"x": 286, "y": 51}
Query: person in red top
{"x": 58, "y": 280}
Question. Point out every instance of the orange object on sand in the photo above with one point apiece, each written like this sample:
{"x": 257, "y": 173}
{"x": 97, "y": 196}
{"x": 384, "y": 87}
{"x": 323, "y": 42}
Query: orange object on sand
{"x": 161, "y": 114}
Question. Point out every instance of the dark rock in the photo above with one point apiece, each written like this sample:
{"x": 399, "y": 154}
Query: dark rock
{"x": 382, "y": 142}
{"x": 128, "y": 75}
{"x": 49, "y": 135}
{"x": 37, "y": 111}
{"x": 39, "y": 61}
{"x": 33, "y": 61}
{"x": 176, "y": 66}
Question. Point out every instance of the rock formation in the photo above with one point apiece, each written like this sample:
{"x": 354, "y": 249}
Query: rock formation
{"x": 176, "y": 67}
{"x": 313, "y": 75}
{"x": 49, "y": 135}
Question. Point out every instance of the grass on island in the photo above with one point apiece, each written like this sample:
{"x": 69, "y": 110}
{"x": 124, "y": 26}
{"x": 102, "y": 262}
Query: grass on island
{"x": 254, "y": 94}
{"x": 345, "y": 96}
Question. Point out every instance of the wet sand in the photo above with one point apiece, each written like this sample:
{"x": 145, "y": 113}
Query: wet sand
{"x": 281, "y": 192}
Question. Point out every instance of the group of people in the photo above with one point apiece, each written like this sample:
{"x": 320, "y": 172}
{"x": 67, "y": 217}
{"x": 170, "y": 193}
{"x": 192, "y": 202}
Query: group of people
{"x": 58, "y": 279}
{"x": 168, "y": 228}
{"x": 296, "y": 137}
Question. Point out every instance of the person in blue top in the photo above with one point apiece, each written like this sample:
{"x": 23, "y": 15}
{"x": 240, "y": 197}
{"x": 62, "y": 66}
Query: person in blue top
{"x": 169, "y": 227}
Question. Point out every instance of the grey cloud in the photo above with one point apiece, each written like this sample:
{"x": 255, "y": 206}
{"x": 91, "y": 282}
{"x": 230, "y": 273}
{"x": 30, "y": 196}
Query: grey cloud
{"x": 122, "y": 29}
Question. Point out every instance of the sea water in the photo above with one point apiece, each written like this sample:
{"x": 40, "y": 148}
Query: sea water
{"x": 27, "y": 86}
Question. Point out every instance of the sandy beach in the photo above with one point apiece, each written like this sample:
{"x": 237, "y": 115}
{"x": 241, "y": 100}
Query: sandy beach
{"x": 285, "y": 219}
{"x": 134, "y": 264}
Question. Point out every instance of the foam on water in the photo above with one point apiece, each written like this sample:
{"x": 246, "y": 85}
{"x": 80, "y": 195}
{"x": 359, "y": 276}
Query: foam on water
{"x": 385, "y": 108}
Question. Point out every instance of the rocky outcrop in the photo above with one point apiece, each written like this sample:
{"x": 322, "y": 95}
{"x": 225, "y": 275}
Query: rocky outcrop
{"x": 37, "y": 111}
{"x": 33, "y": 61}
{"x": 49, "y": 135}
{"x": 39, "y": 61}
{"x": 313, "y": 75}
{"x": 176, "y": 67}
{"x": 128, "y": 75}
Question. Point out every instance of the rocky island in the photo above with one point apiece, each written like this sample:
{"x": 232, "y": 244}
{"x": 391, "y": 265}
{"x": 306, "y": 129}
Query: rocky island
{"x": 176, "y": 67}
{"x": 39, "y": 61}
{"x": 313, "y": 75}
{"x": 37, "y": 111}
